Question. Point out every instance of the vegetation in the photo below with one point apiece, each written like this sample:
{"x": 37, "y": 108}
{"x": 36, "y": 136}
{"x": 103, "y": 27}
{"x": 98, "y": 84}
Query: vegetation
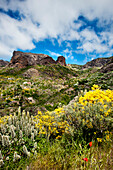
{"x": 54, "y": 85}
{"x": 58, "y": 120}
{"x": 70, "y": 136}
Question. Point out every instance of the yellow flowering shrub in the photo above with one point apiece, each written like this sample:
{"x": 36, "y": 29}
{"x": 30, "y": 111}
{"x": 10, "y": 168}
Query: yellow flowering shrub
{"x": 3, "y": 120}
{"x": 97, "y": 95}
{"x": 51, "y": 123}
{"x": 92, "y": 115}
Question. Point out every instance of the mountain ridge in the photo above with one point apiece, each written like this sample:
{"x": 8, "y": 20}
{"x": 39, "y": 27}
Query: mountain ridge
{"x": 23, "y": 59}
{"x": 98, "y": 62}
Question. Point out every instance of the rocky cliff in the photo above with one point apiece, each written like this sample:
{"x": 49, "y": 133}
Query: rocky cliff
{"x": 61, "y": 60}
{"x": 107, "y": 67}
{"x": 21, "y": 59}
{"x": 99, "y": 62}
{"x": 3, "y": 63}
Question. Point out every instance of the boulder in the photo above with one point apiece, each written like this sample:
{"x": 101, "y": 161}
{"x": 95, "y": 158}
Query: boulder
{"x": 31, "y": 73}
{"x": 30, "y": 99}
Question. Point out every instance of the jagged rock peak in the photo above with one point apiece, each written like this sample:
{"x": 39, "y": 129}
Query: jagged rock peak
{"x": 23, "y": 59}
{"x": 61, "y": 60}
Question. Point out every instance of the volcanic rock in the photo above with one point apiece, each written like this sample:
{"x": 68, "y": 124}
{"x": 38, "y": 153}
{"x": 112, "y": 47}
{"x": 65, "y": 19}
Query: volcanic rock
{"x": 21, "y": 59}
{"x": 31, "y": 73}
{"x": 99, "y": 62}
{"x": 107, "y": 68}
{"x": 3, "y": 63}
{"x": 61, "y": 60}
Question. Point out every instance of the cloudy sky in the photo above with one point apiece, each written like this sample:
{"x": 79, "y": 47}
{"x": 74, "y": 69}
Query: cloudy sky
{"x": 80, "y": 30}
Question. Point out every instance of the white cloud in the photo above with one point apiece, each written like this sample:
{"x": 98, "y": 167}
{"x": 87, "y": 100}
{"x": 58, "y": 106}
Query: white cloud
{"x": 90, "y": 47}
{"x": 13, "y": 35}
{"x": 53, "y": 54}
{"x": 91, "y": 43}
{"x": 107, "y": 37}
{"x": 89, "y": 35}
{"x": 54, "y": 19}
{"x": 5, "y": 51}
{"x": 72, "y": 57}
{"x": 68, "y": 53}
{"x": 68, "y": 44}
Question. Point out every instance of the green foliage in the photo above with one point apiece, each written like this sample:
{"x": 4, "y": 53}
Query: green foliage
{"x": 57, "y": 86}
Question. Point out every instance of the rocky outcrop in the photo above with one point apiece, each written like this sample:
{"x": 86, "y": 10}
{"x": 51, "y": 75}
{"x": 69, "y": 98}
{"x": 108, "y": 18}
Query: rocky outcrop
{"x": 31, "y": 73}
{"x": 3, "y": 63}
{"x": 61, "y": 60}
{"x": 21, "y": 59}
{"x": 99, "y": 62}
{"x": 108, "y": 67}
{"x": 47, "y": 60}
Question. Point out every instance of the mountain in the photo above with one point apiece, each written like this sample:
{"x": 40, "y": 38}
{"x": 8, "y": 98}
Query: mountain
{"x": 99, "y": 62}
{"x": 37, "y": 82}
{"x": 3, "y": 63}
{"x": 21, "y": 59}
{"x": 107, "y": 67}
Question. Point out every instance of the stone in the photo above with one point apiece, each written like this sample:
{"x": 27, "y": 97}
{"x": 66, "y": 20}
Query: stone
{"x": 31, "y": 100}
{"x": 107, "y": 68}
{"x": 99, "y": 62}
{"x": 3, "y": 63}
{"x": 61, "y": 60}
{"x": 31, "y": 73}
{"x": 21, "y": 59}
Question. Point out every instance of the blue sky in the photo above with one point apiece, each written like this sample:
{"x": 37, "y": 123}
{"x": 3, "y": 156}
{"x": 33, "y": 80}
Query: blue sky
{"x": 80, "y": 30}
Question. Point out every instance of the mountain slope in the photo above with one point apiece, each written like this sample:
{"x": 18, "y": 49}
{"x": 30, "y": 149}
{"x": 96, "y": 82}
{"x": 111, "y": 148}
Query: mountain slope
{"x": 3, "y": 63}
{"x": 99, "y": 62}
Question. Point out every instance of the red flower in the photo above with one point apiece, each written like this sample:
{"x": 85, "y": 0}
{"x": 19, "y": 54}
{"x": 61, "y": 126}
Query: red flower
{"x": 90, "y": 144}
{"x": 85, "y": 159}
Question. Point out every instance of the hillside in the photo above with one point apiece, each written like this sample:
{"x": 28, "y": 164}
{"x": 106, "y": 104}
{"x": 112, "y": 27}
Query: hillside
{"x": 3, "y": 63}
{"x": 54, "y": 116}
{"x": 107, "y": 67}
{"x": 45, "y": 87}
{"x": 99, "y": 62}
{"x": 36, "y": 87}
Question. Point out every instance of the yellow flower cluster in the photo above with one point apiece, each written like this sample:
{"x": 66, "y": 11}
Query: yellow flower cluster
{"x": 99, "y": 139}
{"x": 3, "y": 120}
{"x": 50, "y": 123}
{"x": 95, "y": 87}
{"x": 97, "y": 95}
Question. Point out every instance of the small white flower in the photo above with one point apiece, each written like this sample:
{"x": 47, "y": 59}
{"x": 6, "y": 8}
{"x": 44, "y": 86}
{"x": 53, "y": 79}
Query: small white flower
{"x": 35, "y": 145}
{"x": 32, "y": 136}
{"x": 7, "y": 158}
{"x": 26, "y": 151}
{"x": 20, "y": 134}
{"x": 16, "y": 156}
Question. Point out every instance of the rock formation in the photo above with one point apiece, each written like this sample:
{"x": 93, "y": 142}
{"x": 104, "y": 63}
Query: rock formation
{"x": 61, "y": 60}
{"x": 3, "y": 63}
{"x": 21, "y": 59}
{"x": 99, "y": 62}
{"x": 107, "y": 67}
{"x": 31, "y": 73}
